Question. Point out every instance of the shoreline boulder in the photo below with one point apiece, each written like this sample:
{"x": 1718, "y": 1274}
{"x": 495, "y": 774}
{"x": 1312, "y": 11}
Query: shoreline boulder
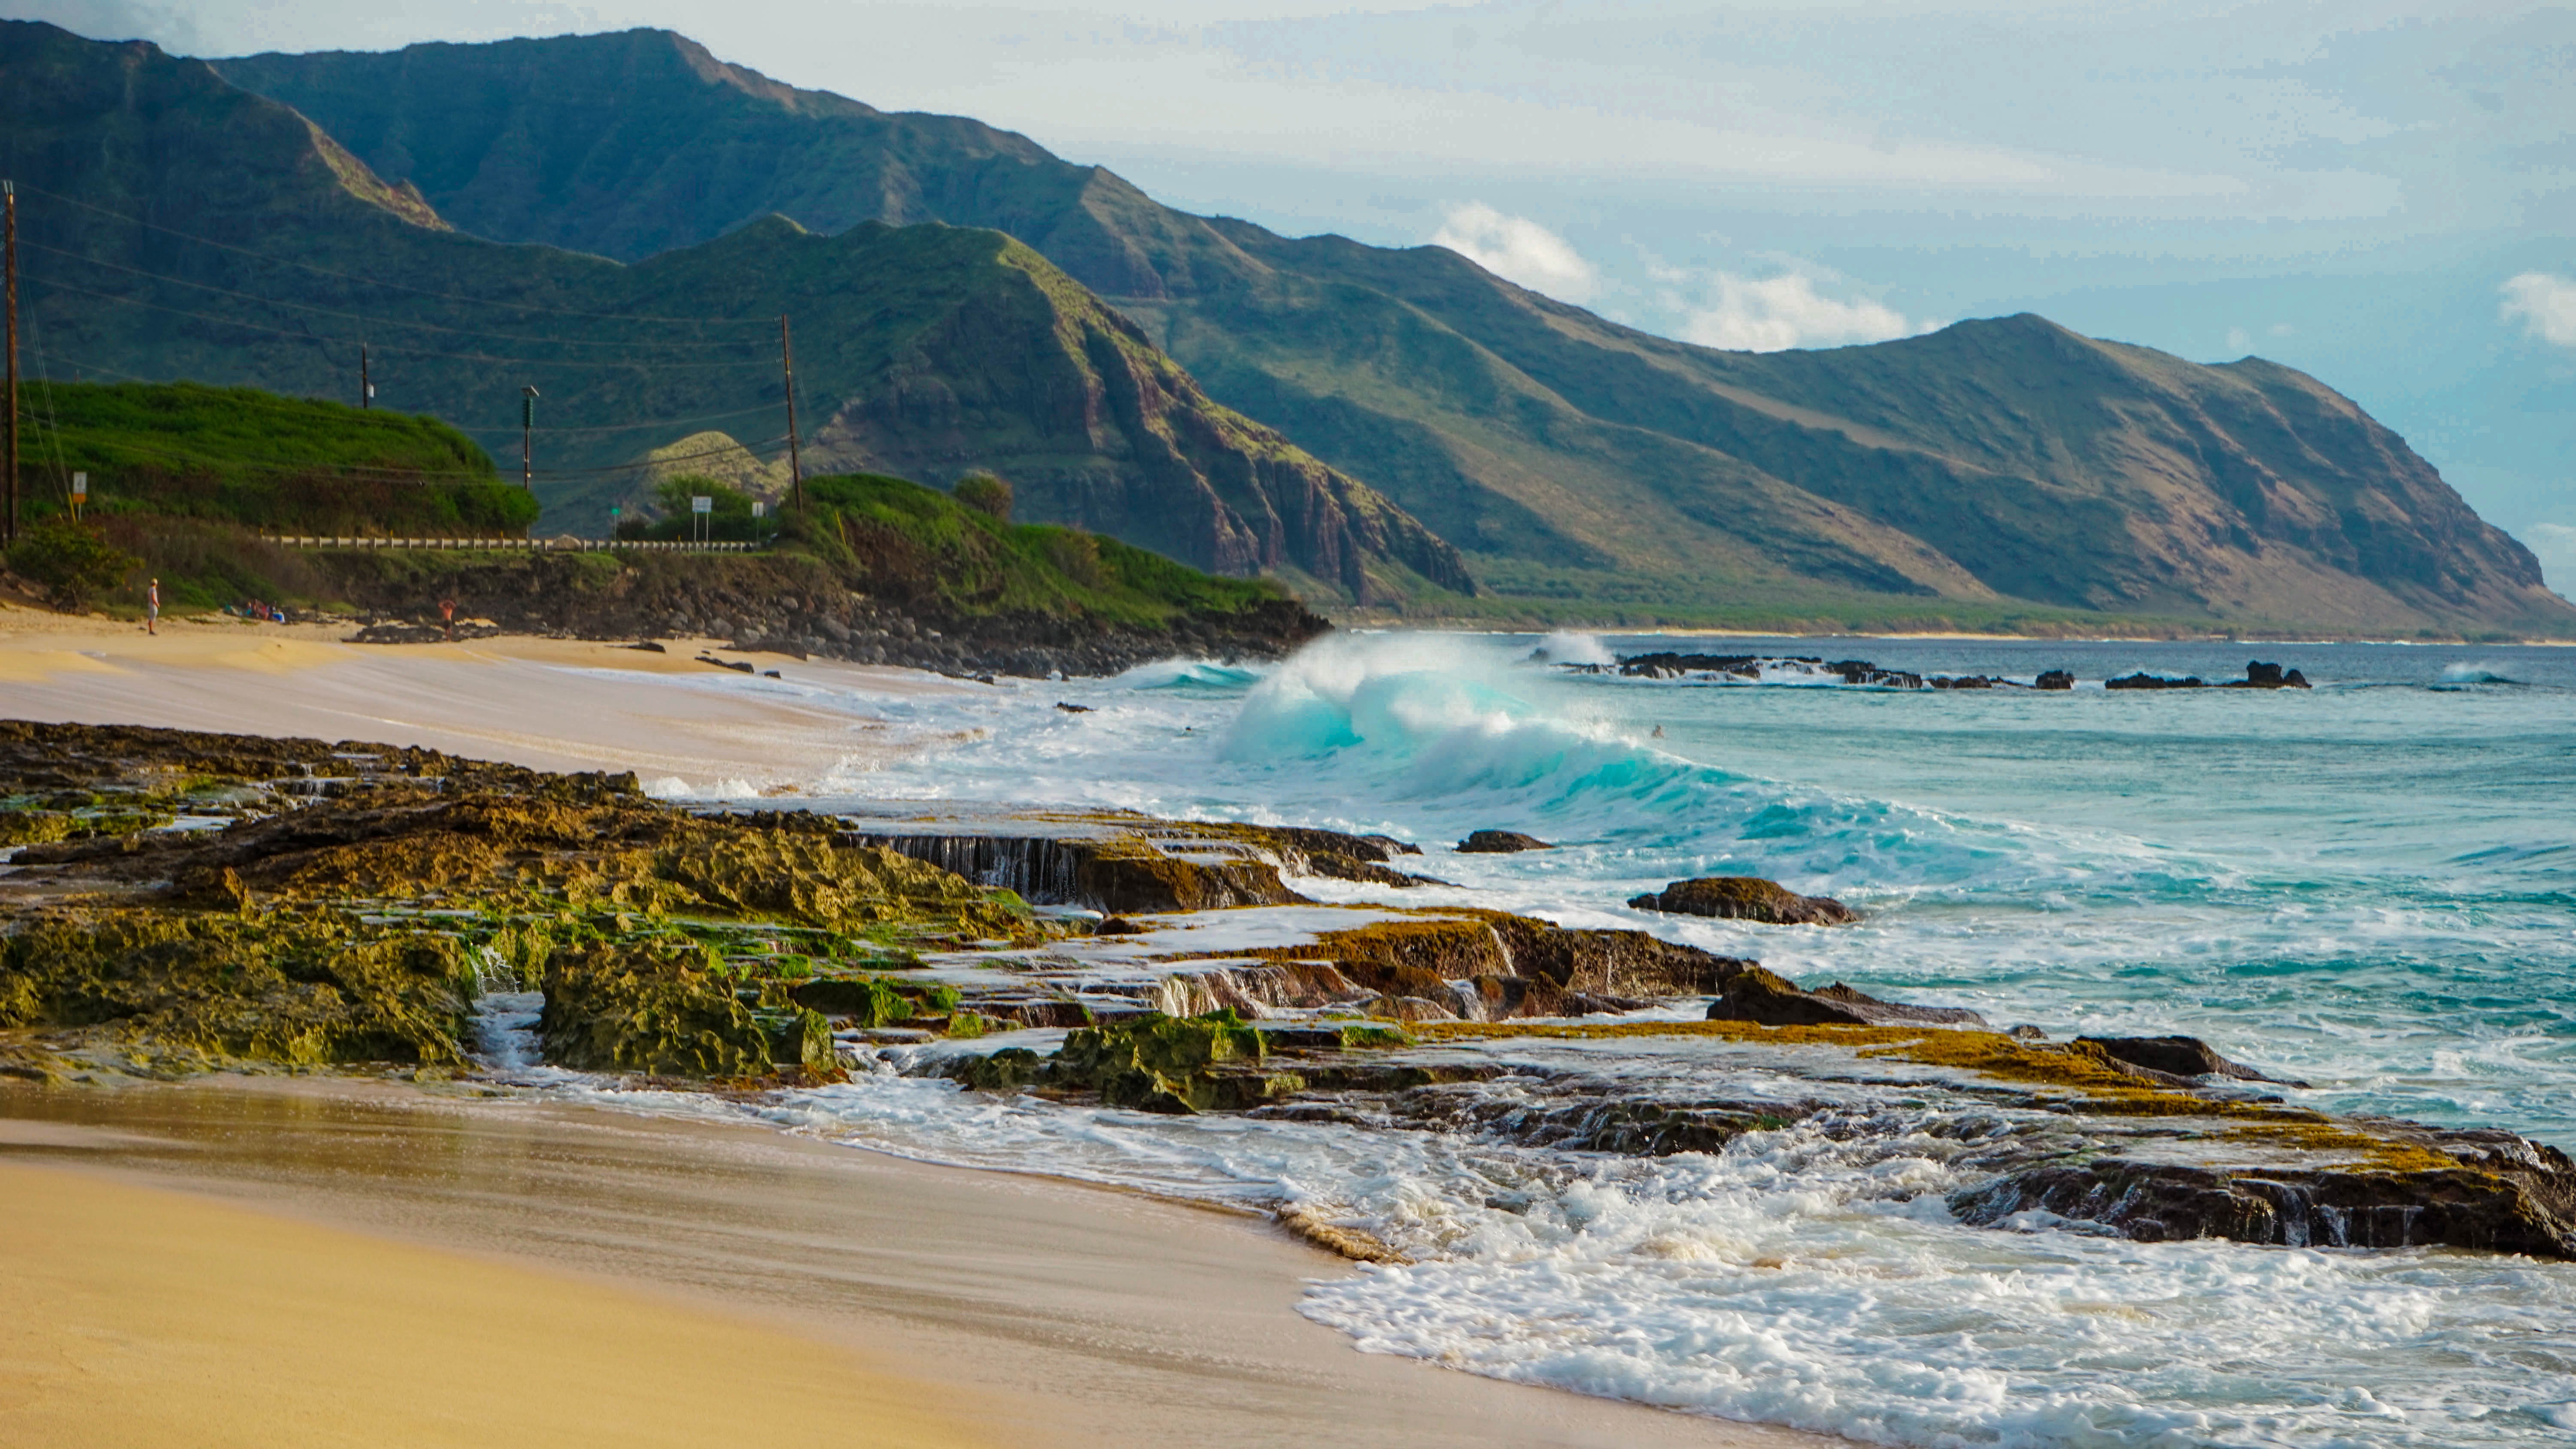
{"x": 1759, "y": 996}
{"x": 1745, "y": 898}
{"x": 1500, "y": 842}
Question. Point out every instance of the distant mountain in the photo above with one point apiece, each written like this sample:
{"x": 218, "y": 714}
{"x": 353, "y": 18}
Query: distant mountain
{"x": 173, "y": 224}
{"x": 1584, "y": 467}
{"x": 2000, "y": 471}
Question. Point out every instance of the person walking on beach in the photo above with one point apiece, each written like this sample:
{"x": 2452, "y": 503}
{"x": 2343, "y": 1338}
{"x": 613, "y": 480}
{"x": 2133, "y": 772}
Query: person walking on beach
{"x": 152, "y": 608}
{"x": 447, "y": 611}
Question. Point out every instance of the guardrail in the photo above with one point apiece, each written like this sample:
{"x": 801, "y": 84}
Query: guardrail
{"x": 531, "y": 545}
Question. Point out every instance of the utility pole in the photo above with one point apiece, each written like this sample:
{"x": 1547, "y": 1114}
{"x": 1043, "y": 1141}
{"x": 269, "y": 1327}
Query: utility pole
{"x": 527, "y": 434}
{"x": 795, "y": 459}
{"x": 9, "y": 200}
{"x": 366, "y": 389}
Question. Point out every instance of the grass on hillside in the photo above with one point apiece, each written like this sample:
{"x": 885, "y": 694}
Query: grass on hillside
{"x": 242, "y": 456}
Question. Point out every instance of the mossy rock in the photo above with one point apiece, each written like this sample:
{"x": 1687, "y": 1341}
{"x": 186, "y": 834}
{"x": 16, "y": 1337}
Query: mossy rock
{"x": 656, "y": 1007}
{"x": 1007, "y": 1070}
{"x": 1160, "y": 1063}
{"x": 295, "y": 989}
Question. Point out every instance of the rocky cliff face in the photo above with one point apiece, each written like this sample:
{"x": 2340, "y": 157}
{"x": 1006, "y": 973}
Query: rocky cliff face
{"x": 930, "y": 350}
{"x": 1097, "y": 428}
{"x": 1573, "y": 459}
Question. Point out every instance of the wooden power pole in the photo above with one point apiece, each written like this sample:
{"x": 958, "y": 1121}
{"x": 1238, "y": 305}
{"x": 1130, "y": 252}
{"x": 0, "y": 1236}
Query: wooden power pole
{"x": 9, "y": 200}
{"x": 795, "y": 460}
{"x": 527, "y": 435}
{"x": 366, "y": 388}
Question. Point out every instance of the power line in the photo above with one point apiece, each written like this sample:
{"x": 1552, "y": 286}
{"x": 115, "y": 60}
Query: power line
{"x": 361, "y": 317}
{"x": 395, "y": 286}
{"x": 637, "y": 427}
{"x": 319, "y": 339}
{"x": 415, "y": 475}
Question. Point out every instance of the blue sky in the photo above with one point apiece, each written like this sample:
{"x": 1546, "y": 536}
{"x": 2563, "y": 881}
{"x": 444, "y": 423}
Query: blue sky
{"x": 2381, "y": 194}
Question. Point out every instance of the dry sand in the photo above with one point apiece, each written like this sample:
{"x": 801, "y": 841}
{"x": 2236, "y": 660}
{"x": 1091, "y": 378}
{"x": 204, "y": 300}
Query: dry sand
{"x": 554, "y": 704}
{"x": 540, "y": 1272}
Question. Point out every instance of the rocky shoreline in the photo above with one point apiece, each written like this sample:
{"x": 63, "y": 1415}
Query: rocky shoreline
{"x": 176, "y": 903}
{"x": 798, "y": 609}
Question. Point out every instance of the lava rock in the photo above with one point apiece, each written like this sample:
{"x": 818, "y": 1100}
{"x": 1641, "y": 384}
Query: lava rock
{"x": 2180, "y": 1056}
{"x": 1746, "y": 898}
{"x": 1756, "y": 995}
{"x": 2144, "y": 680}
{"x": 1501, "y": 842}
{"x": 2055, "y": 679}
{"x": 2259, "y": 675}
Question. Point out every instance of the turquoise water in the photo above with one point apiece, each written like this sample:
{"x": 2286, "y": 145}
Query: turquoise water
{"x": 2368, "y": 885}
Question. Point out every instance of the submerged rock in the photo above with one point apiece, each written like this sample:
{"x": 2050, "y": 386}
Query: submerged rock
{"x": 1500, "y": 842}
{"x": 1756, "y": 995}
{"x": 1746, "y": 898}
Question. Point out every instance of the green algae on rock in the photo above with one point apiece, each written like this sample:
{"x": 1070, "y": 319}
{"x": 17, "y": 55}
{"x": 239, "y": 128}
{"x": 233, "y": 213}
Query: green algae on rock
{"x": 1159, "y": 1063}
{"x": 364, "y": 895}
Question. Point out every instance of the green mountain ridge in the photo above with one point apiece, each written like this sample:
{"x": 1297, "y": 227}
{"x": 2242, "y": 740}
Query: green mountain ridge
{"x": 174, "y": 225}
{"x": 1996, "y": 465}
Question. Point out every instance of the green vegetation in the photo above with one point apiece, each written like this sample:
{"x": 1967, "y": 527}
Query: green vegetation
{"x": 729, "y": 518}
{"x": 184, "y": 481}
{"x": 71, "y": 563}
{"x": 985, "y": 494}
{"x": 276, "y": 464}
{"x": 901, "y": 541}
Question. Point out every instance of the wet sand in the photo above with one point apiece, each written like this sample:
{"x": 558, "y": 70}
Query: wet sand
{"x": 776, "y": 1274}
{"x": 551, "y": 704}
{"x": 132, "y": 1317}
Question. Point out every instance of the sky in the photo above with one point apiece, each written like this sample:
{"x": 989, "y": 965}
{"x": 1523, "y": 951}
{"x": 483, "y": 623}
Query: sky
{"x": 2381, "y": 194}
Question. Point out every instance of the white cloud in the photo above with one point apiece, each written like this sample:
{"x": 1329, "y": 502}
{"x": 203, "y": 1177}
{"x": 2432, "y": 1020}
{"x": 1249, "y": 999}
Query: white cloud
{"x": 1774, "y": 314}
{"x": 2239, "y": 340}
{"x": 2546, "y": 304}
{"x": 1519, "y": 250}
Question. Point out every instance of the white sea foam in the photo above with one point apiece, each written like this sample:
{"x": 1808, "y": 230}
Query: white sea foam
{"x": 2366, "y": 888}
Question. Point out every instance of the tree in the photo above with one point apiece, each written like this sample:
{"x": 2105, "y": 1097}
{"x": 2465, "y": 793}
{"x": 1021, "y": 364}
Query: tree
{"x": 985, "y": 494}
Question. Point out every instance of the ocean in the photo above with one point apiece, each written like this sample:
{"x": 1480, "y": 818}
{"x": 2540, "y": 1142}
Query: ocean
{"x": 2369, "y": 885}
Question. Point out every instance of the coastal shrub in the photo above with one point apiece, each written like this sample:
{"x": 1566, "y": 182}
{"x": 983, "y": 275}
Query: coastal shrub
{"x": 729, "y": 518}
{"x": 206, "y": 563}
{"x": 73, "y": 563}
{"x": 986, "y": 494}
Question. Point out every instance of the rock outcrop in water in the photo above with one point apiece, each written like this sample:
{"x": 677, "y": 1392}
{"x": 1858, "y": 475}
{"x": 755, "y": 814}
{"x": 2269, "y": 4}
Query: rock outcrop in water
{"x": 1756, "y": 995}
{"x": 363, "y": 899}
{"x": 1745, "y": 898}
{"x": 1500, "y": 842}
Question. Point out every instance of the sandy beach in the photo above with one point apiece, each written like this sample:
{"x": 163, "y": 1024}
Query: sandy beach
{"x": 552, "y": 704}
{"x": 326, "y": 1261}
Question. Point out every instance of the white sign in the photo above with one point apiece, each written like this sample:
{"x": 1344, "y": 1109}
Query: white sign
{"x": 759, "y": 509}
{"x": 80, "y": 485}
{"x": 700, "y": 503}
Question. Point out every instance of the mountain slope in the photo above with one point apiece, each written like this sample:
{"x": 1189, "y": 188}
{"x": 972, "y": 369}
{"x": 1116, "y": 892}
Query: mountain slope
{"x": 1581, "y": 465}
{"x": 272, "y": 253}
